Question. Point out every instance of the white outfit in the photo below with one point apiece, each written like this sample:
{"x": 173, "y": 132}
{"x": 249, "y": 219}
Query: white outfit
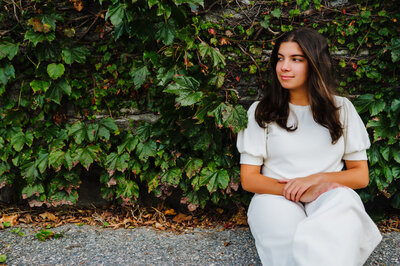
{"x": 332, "y": 230}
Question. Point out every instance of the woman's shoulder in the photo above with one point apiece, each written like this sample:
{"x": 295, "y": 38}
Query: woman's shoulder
{"x": 342, "y": 102}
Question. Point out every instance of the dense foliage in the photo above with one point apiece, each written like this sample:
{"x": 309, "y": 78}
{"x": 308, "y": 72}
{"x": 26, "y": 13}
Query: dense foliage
{"x": 68, "y": 69}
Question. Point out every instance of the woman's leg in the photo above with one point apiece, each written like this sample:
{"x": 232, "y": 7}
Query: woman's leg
{"x": 273, "y": 221}
{"x": 337, "y": 231}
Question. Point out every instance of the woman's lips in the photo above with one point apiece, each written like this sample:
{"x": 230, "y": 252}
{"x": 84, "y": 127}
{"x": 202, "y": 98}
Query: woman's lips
{"x": 286, "y": 77}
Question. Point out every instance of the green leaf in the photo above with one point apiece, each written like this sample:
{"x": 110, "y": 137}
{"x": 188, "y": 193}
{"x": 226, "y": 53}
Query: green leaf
{"x": 146, "y": 150}
{"x": 373, "y": 155}
{"x": 363, "y": 102}
{"x": 388, "y": 174}
{"x": 42, "y": 161}
{"x": 235, "y": 118}
{"x": 152, "y": 2}
{"x": 116, "y": 13}
{"x": 395, "y": 49}
{"x": 29, "y": 171}
{"x": 18, "y": 141}
{"x": 116, "y": 161}
{"x": 186, "y": 90}
{"x": 276, "y": 12}
{"x": 106, "y": 126}
{"x": 395, "y": 106}
{"x": 193, "y": 167}
{"x": 6, "y": 73}
{"x": 217, "y": 80}
{"x": 194, "y": 2}
{"x": 385, "y": 151}
{"x": 139, "y": 76}
{"x": 396, "y": 155}
{"x": 75, "y": 54}
{"x": 55, "y": 159}
{"x": 87, "y": 155}
{"x": 213, "y": 53}
{"x": 166, "y": 32}
{"x": 396, "y": 172}
{"x": 78, "y": 132}
{"x": 129, "y": 143}
{"x": 39, "y": 85}
{"x": 8, "y": 49}
{"x": 3, "y": 258}
{"x": 36, "y": 37}
{"x": 31, "y": 190}
{"x": 172, "y": 177}
{"x": 55, "y": 70}
{"x": 56, "y": 91}
{"x": 143, "y": 131}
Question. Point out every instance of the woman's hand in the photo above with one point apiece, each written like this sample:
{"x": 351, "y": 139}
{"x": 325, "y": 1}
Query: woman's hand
{"x": 296, "y": 187}
{"x": 317, "y": 190}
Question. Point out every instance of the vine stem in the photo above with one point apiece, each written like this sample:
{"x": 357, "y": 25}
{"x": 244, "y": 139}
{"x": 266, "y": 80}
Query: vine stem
{"x": 20, "y": 93}
{"x": 254, "y": 61}
{"x": 351, "y": 58}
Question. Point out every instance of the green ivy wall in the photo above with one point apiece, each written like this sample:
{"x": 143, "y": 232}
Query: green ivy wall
{"x": 179, "y": 74}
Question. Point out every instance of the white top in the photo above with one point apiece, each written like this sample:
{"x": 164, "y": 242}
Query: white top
{"x": 308, "y": 149}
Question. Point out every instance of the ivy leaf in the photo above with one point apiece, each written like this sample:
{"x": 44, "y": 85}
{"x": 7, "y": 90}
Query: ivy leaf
{"x": 276, "y": 12}
{"x": 129, "y": 143}
{"x": 29, "y": 171}
{"x": 36, "y": 37}
{"x": 20, "y": 139}
{"x": 75, "y": 54}
{"x": 116, "y": 161}
{"x": 385, "y": 151}
{"x": 186, "y": 90}
{"x": 55, "y": 70}
{"x": 127, "y": 189}
{"x": 193, "y": 167}
{"x": 213, "y": 53}
{"x": 152, "y": 2}
{"x": 395, "y": 47}
{"x": 395, "y": 106}
{"x": 146, "y": 150}
{"x": 388, "y": 174}
{"x": 166, "y": 32}
{"x": 42, "y": 161}
{"x": 143, "y": 131}
{"x": 78, "y": 132}
{"x": 87, "y": 155}
{"x": 68, "y": 160}
{"x": 235, "y": 118}
{"x": 396, "y": 172}
{"x": 106, "y": 126}
{"x": 8, "y": 49}
{"x": 218, "y": 179}
{"x": 363, "y": 102}
{"x": 6, "y": 73}
{"x": 193, "y": 2}
{"x": 116, "y": 13}
{"x": 32, "y": 189}
{"x": 396, "y": 155}
{"x": 55, "y": 159}
{"x": 217, "y": 114}
{"x": 139, "y": 76}
{"x": 56, "y": 91}
{"x": 217, "y": 80}
{"x": 39, "y": 85}
{"x": 172, "y": 177}
{"x": 373, "y": 155}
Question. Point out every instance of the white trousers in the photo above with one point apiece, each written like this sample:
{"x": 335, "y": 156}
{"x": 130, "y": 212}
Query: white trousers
{"x": 332, "y": 230}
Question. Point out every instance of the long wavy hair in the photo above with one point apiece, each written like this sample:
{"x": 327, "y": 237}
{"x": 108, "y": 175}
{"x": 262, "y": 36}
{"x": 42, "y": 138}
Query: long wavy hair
{"x": 274, "y": 106}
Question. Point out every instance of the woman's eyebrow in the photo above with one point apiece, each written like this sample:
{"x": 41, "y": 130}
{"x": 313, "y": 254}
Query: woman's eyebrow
{"x": 293, "y": 55}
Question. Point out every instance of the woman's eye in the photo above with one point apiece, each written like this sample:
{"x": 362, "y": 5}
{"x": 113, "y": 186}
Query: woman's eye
{"x": 297, "y": 59}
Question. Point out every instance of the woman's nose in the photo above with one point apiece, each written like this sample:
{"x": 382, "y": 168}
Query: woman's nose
{"x": 285, "y": 65}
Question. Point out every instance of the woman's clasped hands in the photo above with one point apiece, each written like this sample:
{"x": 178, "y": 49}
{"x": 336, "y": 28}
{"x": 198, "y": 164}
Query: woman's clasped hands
{"x": 306, "y": 189}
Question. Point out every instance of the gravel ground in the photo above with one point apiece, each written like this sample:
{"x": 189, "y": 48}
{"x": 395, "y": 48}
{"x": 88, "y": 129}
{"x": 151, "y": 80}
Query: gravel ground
{"x": 146, "y": 246}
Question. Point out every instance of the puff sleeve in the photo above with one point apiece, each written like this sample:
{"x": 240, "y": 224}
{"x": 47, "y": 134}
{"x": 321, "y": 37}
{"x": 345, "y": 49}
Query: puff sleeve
{"x": 356, "y": 140}
{"x": 251, "y": 142}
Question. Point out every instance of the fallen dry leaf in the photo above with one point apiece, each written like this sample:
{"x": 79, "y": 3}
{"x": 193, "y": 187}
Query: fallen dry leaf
{"x": 170, "y": 212}
{"x": 48, "y": 216}
{"x": 12, "y": 219}
{"x": 181, "y": 218}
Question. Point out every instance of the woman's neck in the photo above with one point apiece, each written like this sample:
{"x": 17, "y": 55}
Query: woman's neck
{"x": 299, "y": 97}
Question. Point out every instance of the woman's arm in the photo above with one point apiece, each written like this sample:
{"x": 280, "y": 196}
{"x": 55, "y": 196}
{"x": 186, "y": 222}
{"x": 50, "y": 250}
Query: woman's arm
{"x": 253, "y": 181}
{"x": 356, "y": 176}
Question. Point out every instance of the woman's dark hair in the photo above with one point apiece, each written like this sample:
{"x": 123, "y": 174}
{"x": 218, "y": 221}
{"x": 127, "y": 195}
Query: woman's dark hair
{"x": 274, "y": 106}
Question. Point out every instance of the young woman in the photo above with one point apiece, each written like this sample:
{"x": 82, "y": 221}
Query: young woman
{"x": 299, "y": 138}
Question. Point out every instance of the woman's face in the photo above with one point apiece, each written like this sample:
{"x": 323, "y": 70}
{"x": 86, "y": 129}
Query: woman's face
{"x": 292, "y": 67}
